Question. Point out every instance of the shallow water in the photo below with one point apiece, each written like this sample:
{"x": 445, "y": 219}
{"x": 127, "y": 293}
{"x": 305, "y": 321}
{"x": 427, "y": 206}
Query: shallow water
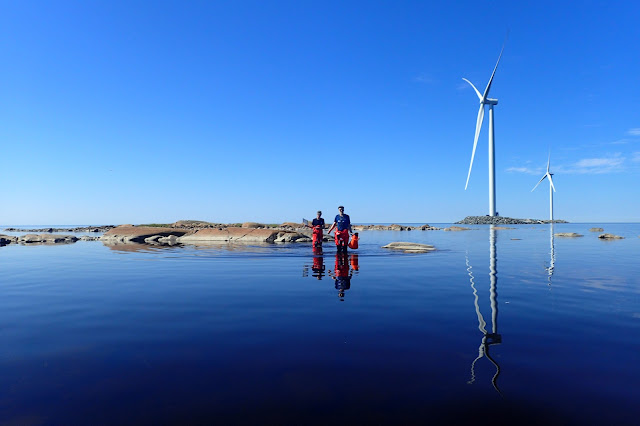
{"x": 505, "y": 326}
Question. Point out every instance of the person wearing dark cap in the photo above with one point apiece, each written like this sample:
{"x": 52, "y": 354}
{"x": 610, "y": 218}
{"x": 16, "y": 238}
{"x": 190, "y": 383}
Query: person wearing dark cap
{"x": 318, "y": 228}
{"x": 342, "y": 223}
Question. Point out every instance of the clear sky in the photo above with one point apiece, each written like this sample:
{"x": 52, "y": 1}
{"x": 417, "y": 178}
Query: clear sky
{"x": 136, "y": 112}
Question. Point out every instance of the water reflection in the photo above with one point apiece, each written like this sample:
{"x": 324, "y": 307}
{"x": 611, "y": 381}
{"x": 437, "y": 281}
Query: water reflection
{"x": 344, "y": 268}
{"x": 318, "y": 267}
{"x": 488, "y": 338}
{"x": 552, "y": 253}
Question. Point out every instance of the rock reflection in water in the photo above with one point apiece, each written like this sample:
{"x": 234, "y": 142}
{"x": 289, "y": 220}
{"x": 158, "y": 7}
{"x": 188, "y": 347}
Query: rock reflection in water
{"x": 488, "y": 338}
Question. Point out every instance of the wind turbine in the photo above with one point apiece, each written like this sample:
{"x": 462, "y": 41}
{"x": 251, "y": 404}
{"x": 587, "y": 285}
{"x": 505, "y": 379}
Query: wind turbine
{"x": 551, "y": 187}
{"x": 485, "y": 100}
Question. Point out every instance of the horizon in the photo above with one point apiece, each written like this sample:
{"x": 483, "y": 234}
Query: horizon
{"x": 144, "y": 112}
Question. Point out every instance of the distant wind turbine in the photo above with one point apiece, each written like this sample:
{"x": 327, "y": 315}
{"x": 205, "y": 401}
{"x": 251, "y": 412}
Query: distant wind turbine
{"x": 485, "y": 100}
{"x": 552, "y": 188}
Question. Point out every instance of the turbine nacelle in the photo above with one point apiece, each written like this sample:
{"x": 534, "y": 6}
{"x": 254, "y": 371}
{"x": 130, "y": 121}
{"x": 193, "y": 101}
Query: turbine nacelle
{"x": 490, "y": 102}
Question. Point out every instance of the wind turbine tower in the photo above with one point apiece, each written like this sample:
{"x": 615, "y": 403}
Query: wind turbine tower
{"x": 485, "y": 100}
{"x": 552, "y": 188}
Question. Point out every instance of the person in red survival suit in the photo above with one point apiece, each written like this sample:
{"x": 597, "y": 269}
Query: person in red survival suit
{"x": 342, "y": 223}
{"x": 318, "y": 227}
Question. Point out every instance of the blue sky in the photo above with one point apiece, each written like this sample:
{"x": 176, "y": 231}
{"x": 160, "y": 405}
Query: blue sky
{"x": 134, "y": 112}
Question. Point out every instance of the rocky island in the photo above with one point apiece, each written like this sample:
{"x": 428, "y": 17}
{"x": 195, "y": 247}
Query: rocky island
{"x": 503, "y": 220}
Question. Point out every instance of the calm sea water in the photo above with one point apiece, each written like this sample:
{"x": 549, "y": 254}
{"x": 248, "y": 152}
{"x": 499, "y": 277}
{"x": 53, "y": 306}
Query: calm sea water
{"x": 496, "y": 327}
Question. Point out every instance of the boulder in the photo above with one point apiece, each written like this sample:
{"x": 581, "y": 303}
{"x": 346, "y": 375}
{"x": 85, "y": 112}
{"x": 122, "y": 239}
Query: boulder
{"x": 171, "y": 240}
{"x": 7, "y": 239}
{"x": 410, "y": 247}
{"x": 396, "y": 227}
{"x": 610, "y": 237}
{"x": 456, "y": 228}
{"x": 291, "y": 237}
{"x": 253, "y": 225}
{"x": 596, "y": 230}
{"x": 567, "y": 234}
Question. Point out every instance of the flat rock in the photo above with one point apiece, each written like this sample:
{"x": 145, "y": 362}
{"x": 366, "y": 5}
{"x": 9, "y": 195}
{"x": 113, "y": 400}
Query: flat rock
{"x": 138, "y": 234}
{"x": 596, "y": 230}
{"x": 410, "y": 247}
{"x": 456, "y": 228}
{"x": 232, "y": 234}
{"x": 567, "y": 234}
{"x": 502, "y": 227}
{"x": 47, "y": 239}
{"x": 610, "y": 237}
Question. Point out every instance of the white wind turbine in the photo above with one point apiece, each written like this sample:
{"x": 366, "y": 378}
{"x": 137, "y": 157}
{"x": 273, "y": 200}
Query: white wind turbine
{"x": 485, "y": 100}
{"x": 552, "y": 188}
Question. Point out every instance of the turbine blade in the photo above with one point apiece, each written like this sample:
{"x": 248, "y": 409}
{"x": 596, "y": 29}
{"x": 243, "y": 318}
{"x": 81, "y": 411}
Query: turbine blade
{"x": 474, "y": 88}
{"x": 548, "y": 162}
{"x": 486, "y": 91}
{"x": 475, "y": 141}
{"x": 551, "y": 182}
{"x": 539, "y": 182}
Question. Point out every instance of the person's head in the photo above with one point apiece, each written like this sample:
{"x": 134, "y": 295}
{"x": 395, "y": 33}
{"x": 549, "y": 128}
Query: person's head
{"x": 341, "y": 209}
{"x": 319, "y": 214}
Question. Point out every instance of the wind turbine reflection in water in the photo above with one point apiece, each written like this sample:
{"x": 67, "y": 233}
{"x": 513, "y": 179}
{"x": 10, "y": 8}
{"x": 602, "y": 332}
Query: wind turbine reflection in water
{"x": 493, "y": 338}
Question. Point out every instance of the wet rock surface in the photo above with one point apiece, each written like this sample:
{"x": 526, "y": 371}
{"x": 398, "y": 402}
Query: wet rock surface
{"x": 406, "y": 247}
{"x": 568, "y": 234}
{"x": 456, "y": 228}
{"x": 596, "y": 230}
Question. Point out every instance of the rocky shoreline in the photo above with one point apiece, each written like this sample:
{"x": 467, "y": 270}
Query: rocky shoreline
{"x": 103, "y": 228}
{"x": 503, "y": 220}
{"x": 199, "y": 232}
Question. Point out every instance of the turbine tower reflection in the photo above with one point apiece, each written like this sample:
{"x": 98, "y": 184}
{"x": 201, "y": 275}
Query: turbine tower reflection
{"x": 552, "y": 253}
{"x": 493, "y": 338}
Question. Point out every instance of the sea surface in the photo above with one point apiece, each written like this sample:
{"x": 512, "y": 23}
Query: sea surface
{"x": 498, "y": 326}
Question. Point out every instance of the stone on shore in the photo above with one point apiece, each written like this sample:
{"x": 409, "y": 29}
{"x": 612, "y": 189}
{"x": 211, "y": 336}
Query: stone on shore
{"x": 456, "y": 228}
{"x": 610, "y": 237}
{"x": 567, "y": 234}
{"x": 410, "y": 247}
{"x": 596, "y": 230}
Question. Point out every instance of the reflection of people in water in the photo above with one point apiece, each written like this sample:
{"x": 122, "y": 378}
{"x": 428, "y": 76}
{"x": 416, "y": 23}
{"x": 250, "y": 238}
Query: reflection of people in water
{"x": 343, "y": 272}
{"x": 318, "y": 263}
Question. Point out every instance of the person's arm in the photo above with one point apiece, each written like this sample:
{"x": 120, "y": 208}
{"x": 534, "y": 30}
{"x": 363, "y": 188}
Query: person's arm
{"x": 332, "y": 226}
{"x": 350, "y": 230}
